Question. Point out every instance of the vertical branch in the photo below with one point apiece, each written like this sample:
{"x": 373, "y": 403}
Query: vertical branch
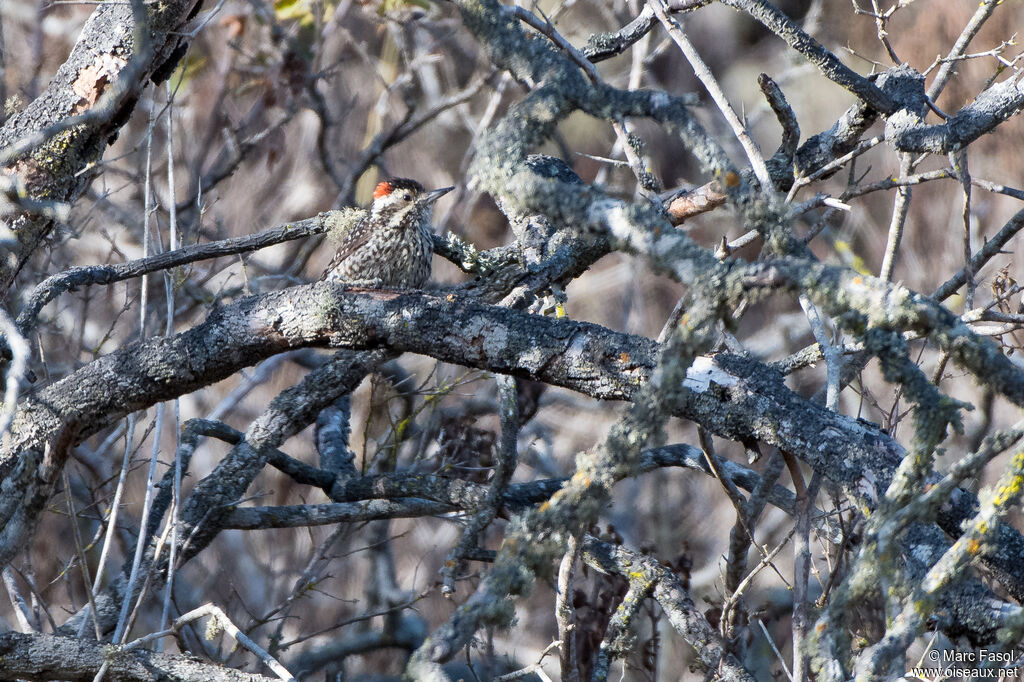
{"x": 801, "y": 572}
{"x": 115, "y": 507}
{"x": 650, "y": 186}
{"x": 741, "y": 536}
{"x": 617, "y": 635}
{"x": 80, "y": 551}
{"x": 642, "y": 167}
{"x": 121, "y": 631}
{"x": 176, "y": 490}
{"x": 143, "y": 307}
{"x": 333, "y": 429}
{"x": 806, "y": 496}
{"x": 21, "y": 609}
{"x": 958, "y": 160}
{"x": 3, "y": 71}
{"x": 565, "y": 614}
{"x": 899, "y": 218}
{"x": 172, "y": 209}
{"x": 20, "y": 351}
{"x": 503, "y": 470}
{"x": 832, "y": 352}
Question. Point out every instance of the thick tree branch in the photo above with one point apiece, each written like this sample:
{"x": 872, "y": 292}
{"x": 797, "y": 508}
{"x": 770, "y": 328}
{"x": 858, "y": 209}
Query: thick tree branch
{"x": 733, "y": 397}
{"x": 47, "y": 657}
{"x": 908, "y": 133}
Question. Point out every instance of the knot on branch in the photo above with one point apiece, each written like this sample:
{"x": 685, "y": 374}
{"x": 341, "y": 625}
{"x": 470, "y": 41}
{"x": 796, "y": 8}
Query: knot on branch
{"x": 905, "y": 85}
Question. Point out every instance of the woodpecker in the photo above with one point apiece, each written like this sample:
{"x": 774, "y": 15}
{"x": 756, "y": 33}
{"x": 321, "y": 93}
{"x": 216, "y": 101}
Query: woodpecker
{"x": 391, "y": 246}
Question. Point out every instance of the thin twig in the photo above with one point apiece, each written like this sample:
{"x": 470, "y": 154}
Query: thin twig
{"x": 981, "y": 15}
{"x": 705, "y": 76}
{"x": 801, "y": 569}
{"x": 901, "y": 207}
{"x": 80, "y": 551}
{"x": 53, "y": 286}
{"x": 958, "y": 160}
{"x": 220, "y": 622}
{"x": 778, "y": 654}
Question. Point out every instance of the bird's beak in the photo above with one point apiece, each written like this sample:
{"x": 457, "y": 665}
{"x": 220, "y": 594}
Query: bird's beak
{"x": 434, "y": 195}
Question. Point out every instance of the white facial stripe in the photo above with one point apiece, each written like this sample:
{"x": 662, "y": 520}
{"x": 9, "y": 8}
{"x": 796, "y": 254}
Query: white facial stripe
{"x": 395, "y": 199}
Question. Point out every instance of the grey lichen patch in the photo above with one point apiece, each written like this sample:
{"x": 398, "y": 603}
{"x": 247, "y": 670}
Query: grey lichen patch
{"x": 925, "y": 554}
{"x": 468, "y": 258}
{"x": 603, "y": 42}
{"x": 340, "y": 223}
{"x": 499, "y": 613}
{"x": 330, "y": 313}
{"x": 271, "y": 320}
{"x": 891, "y": 306}
{"x": 862, "y": 301}
{"x": 489, "y": 337}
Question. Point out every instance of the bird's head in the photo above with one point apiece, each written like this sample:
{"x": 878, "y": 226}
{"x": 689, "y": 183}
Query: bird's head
{"x": 401, "y": 196}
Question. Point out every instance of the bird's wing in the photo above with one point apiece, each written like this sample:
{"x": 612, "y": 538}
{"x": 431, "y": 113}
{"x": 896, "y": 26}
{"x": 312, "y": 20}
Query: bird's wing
{"x": 353, "y": 241}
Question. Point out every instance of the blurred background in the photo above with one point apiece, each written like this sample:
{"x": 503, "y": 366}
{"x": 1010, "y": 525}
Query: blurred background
{"x": 282, "y": 110}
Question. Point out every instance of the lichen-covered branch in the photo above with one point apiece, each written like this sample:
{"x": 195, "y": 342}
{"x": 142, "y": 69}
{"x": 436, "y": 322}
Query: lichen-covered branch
{"x": 673, "y": 598}
{"x": 46, "y": 657}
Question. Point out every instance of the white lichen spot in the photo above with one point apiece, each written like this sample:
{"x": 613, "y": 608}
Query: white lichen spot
{"x": 533, "y": 359}
{"x": 924, "y": 554}
{"x": 827, "y": 434}
{"x": 613, "y": 214}
{"x": 574, "y": 354}
{"x": 495, "y": 340}
{"x": 703, "y": 372}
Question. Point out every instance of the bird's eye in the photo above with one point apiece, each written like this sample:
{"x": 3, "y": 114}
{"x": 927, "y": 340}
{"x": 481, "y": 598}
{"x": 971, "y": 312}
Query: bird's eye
{"x": 407, "y": 196}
